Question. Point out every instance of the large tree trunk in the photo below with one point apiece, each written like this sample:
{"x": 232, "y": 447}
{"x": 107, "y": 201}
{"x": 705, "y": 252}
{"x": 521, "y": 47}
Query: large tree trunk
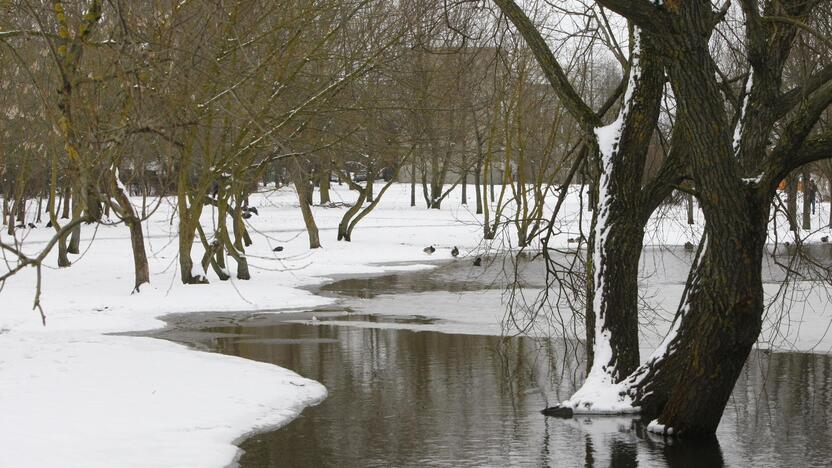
{"x": 694, "y": 371}
{"x": 687, "y": 388}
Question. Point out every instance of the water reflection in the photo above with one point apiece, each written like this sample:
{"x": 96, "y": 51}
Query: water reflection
{"x": 406, "y": 398}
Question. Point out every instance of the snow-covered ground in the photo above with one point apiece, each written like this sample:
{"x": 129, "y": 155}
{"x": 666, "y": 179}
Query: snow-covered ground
{"x": 73, "y": 394}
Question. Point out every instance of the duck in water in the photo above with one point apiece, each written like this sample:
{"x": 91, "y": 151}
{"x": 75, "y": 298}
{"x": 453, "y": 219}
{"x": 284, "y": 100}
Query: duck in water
{"x": 429, "y": 250}
{"x": 455, "y": 252}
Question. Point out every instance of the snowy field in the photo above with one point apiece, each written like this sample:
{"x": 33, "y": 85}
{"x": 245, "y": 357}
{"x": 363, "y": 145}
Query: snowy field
{"x": 73, "y": 394}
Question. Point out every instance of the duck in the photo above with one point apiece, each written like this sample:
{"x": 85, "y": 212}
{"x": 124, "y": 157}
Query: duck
{"x": 429, "y": 249}
{"x": 478, "y": 261}
{"x": 455, "y": 252}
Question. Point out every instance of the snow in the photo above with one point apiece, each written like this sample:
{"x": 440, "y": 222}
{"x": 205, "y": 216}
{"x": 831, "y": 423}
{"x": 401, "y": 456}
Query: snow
{"x": 657, "y": 428}
{"x": 74, "y": 394}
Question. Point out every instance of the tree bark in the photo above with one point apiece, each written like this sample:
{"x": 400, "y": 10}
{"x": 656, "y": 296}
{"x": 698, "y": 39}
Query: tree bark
{"x": 689, "y": 199}
{"x": 127, "y": 213}
{"x": 326, "y": 174}
{"x": 74, "y": 246}
{"x": 807, "y": 203}
{"x": 302, "y": 188}
{"x": 67, "y": 198}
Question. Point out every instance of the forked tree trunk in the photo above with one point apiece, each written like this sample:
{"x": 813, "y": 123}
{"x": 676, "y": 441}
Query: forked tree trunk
{"x": 688, "y": 388}
{"x": 187, "y": 234}
{"x": 128, "y": 214}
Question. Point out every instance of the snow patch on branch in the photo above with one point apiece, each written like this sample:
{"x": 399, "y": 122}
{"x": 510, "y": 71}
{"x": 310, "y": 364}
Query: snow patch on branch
{"x": 657, "y": 428}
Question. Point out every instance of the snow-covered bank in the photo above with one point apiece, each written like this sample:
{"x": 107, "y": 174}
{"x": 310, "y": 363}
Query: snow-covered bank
{"x": 72, "y": 395}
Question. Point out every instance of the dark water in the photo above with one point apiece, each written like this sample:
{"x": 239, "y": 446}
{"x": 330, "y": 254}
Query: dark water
{"x": 423, "y": 398}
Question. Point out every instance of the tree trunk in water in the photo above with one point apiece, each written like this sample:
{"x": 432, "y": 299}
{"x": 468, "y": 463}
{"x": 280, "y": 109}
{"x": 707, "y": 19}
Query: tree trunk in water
{"x": 807, "y": 203}
{"x": 613, "y": 293}
{"x": 688, "y": 388}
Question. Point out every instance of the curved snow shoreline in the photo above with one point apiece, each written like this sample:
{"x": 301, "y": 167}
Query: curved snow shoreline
{"x": 72, "y": 395}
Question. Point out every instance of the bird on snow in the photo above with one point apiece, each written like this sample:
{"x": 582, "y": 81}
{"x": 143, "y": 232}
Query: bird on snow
{"x": 689, "y": 246}
{"x": 455, "y": 252}
{"x": 824, "y": 239}
{"x": 32, "y": 225}
{"x": 429, "y": 249}
{"x": 279, "y": 248}
{"x": 252, "y": 209}
{"x": 478, "y": 261}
